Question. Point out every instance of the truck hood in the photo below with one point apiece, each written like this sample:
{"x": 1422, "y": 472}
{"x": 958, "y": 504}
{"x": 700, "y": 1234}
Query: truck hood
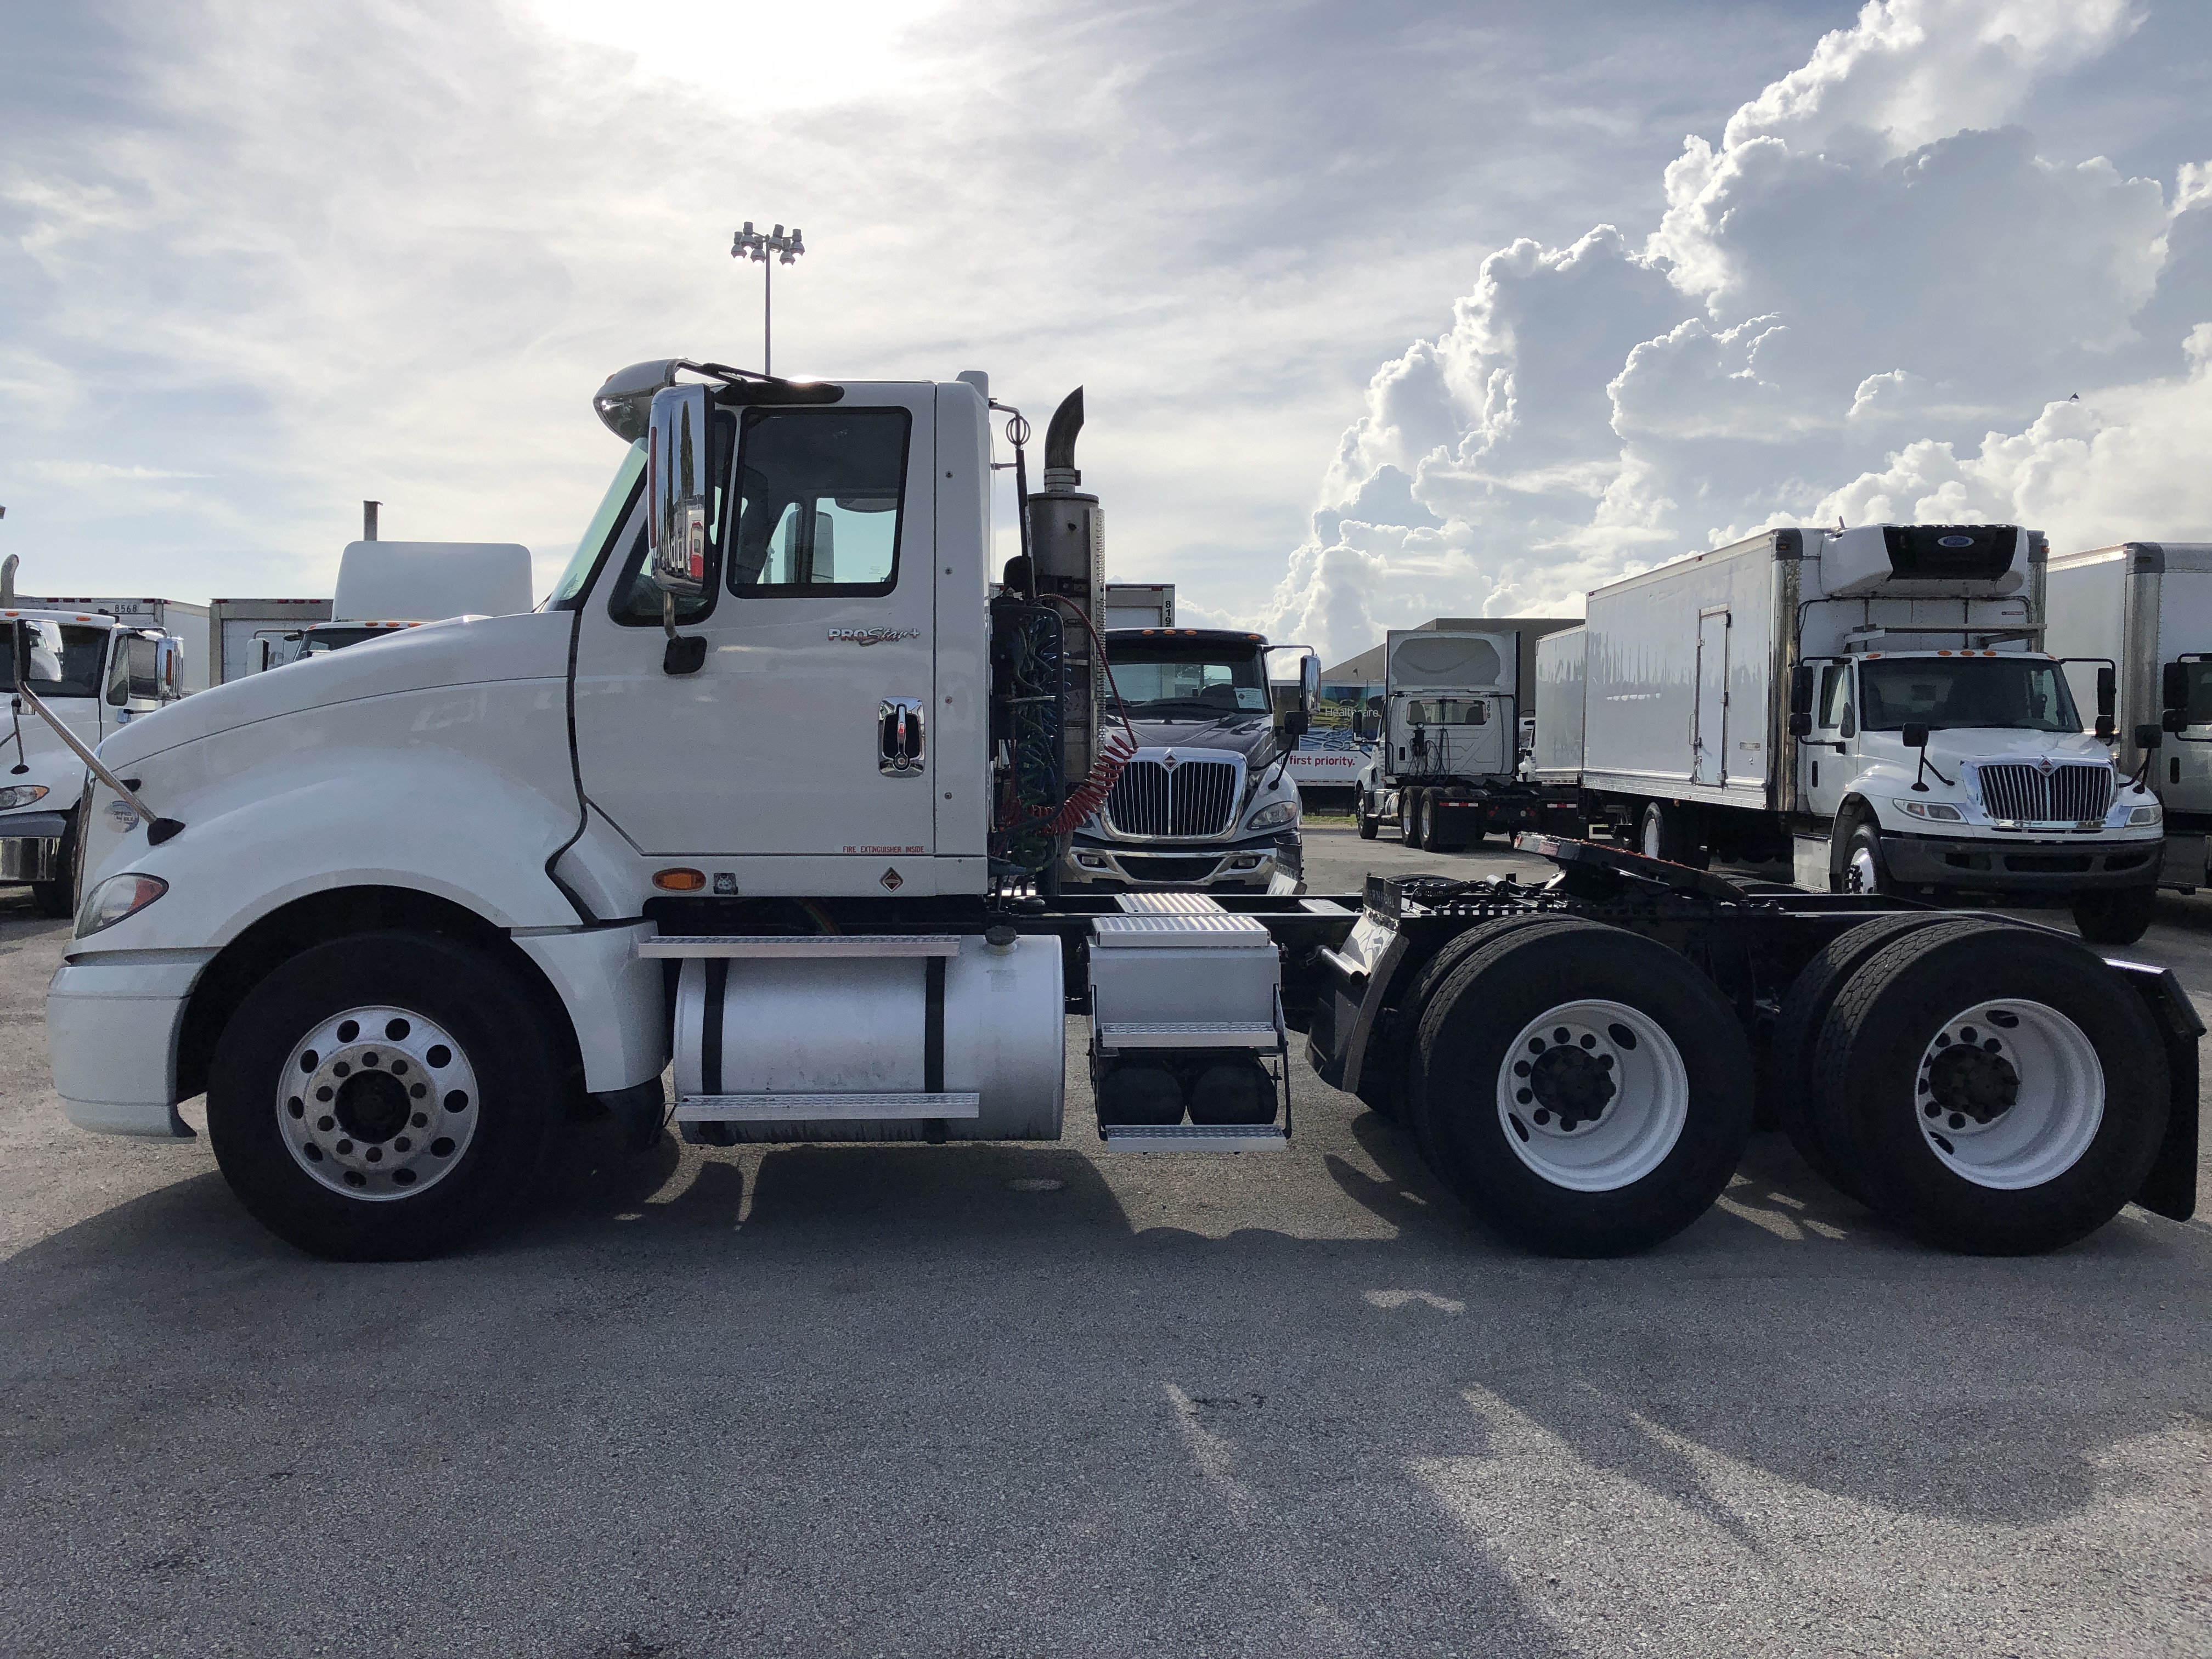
{"x": 1997, "y": 744}
{"x": 465, "y": 651}
{"x": 1250, "y": 735}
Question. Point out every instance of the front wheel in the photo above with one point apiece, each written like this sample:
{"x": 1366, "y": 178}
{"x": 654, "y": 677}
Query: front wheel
{"x": 1369, "y": 824}
{"x": 1865, "y": 870}
{"x": 58, "y": 897}
{"x": 381, "y": 1096}
{"x": 2117, "y": 916}
{"x": 1585, "y": 1090}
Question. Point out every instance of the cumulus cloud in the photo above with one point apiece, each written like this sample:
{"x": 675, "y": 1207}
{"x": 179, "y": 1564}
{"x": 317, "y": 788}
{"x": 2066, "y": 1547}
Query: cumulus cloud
{"x": 1874, "y": 296}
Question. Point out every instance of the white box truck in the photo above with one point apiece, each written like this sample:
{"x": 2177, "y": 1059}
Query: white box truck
{"x": 2141, "y": 613}
{"x": 182, "y": 622}
{"x": 404, "y": 914}
{"x": 1871, "y": 705}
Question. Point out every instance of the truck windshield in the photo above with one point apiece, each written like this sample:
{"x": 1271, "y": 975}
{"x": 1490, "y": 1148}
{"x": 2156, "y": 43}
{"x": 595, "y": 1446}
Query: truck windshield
{"x": 336, "y": 639}
{"x": 612, "y": 506}
{"x": 82, "y": 656}
{"x": 1163, "y": 678}
{"x": 1945, "y": 693}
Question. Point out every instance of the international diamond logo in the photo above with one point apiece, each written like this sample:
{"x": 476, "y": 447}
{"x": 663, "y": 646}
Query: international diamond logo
{"x": 892, "y": 881}
{"x": 1169, "y": 761}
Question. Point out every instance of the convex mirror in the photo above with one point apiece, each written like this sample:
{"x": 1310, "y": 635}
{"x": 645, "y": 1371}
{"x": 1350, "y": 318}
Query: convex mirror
{"x": 679, "y": 489}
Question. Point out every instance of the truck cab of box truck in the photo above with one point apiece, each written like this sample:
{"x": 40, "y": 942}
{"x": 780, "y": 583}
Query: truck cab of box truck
{"x": 96, "y": 676}
{"x": 1206, "y": 801}
{"x": 1873, "y": 705}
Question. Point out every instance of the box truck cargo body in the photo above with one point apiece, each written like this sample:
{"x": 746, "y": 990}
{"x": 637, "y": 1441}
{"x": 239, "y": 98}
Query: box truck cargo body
{"x": 249, "y": 636}
{"x": 1871, "y": 705}
{"x": 2144, "y": 609}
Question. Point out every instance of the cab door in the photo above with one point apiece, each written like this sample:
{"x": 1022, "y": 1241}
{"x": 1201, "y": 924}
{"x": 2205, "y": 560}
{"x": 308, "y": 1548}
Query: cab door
{"x": 1823, "y": 758}
{"x": 805, "y": 735}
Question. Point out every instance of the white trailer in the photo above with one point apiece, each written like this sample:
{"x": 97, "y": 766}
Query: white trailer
{"x": 1139, "y": 604}
{"x": 404, "y": 913}
{"x": 251, "y": 636}
{"x": 1871, "y": 706}
{"x": 2141, "y": 613}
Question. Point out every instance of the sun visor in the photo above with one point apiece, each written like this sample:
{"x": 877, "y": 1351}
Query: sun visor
{"x": 1924, "y": 562}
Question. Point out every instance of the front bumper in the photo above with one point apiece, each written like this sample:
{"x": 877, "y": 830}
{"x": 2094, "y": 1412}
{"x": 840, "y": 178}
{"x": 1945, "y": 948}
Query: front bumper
{"x": 112, "y": 1032}
{"x": 1247, "y": 866}
{"x": 2024, "y": 864}
{"x": 31, "y": 846}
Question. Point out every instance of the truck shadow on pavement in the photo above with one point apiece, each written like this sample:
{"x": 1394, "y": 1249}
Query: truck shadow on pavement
{"x": 796, "y": 1398}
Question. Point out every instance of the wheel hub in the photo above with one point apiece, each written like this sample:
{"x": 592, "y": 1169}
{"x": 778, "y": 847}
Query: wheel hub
{"x": 1593, "y": 1095}
{"x": 2009, "y": 1095}
{"x": 378, "y": 1103}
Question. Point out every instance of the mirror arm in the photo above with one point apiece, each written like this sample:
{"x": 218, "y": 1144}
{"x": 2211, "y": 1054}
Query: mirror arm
{"x": 158, "y": 829}
{"x": 1928, "y": 766}
{"x": 683, "y": 653}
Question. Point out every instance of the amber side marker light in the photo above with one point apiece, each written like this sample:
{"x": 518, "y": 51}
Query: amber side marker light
{"x": 679, "y": 881}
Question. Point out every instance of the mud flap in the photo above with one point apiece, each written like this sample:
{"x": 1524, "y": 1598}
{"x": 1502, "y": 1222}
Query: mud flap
{"x": 2170, "y": 1189}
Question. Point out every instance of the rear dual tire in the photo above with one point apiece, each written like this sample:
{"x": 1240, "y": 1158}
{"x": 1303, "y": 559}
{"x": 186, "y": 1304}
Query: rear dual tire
{"x": 1995, "y": 1091}
{"x": 1583, "y": 1090}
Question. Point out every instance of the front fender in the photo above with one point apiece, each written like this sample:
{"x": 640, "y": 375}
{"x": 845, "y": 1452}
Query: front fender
{"x": 344, "y": 818}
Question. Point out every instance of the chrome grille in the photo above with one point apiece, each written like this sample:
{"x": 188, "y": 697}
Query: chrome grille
{"x": 1192, "y": 797}
{"x": 2065, "y": 795}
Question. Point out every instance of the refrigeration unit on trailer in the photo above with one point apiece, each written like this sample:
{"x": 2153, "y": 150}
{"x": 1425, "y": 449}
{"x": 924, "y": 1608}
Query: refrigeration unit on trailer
{"x": 2140, "y": 614}
{"x": 1445, "y": 765}
{"x": 1872, "y": 707}
{"x": 768, "y": 787}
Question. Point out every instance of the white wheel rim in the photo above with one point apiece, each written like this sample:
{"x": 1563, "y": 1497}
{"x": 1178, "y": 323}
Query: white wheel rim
{"x": 1863, "y": 878}
{"x": 1638, "y": 1121}
{"x": 377, "y": 1103}
{"x": 2009, "y": 1094}
{"x": 1650, "y": 835}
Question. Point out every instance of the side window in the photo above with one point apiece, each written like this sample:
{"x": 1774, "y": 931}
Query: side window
{"x": 820, "y": 501}
{"x": 1835, "y": 695}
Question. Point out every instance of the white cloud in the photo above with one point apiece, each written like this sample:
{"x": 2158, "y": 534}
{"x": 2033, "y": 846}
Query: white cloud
{"x": 1870, "y": 272}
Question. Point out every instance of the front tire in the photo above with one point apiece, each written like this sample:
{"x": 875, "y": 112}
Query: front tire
{"x": 2117, "y": 916}
{"x": 1369, "y": 824}
{"x": 1409, "y": 817}
{"x": 1993, "y": 1091}
{"x": 1865, "y": 869}
{"x": 381, "y": 1097}
{"x": 1583, "y": 1089}
{"x": 57, "y": 898}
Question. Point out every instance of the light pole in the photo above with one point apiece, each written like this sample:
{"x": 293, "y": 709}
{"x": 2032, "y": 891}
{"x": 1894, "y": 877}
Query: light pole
{"x": 758, "y": 247}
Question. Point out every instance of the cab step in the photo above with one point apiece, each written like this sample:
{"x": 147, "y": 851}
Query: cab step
{"x": 1194, "y": 1137}
{"x": 826, "y": 1107}
{"x": 1116, "y": 1034}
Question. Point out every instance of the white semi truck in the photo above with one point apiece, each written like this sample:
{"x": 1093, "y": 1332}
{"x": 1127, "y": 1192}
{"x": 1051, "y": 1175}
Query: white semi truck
{"x": 2141, "y": 613}
{"x": 1871, "y": 706}
{"x": 402, "y": 913}
{"x": 386, "y": 587}
{"x": 96, "y": 675}
{"x": 1445, "y": 764}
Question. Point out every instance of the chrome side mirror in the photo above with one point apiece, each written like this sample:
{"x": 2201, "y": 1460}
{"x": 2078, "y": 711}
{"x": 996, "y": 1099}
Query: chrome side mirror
{"x": 679, "y": 489}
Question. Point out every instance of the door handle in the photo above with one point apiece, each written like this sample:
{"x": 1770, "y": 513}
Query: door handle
{"x": 899, "y": 738}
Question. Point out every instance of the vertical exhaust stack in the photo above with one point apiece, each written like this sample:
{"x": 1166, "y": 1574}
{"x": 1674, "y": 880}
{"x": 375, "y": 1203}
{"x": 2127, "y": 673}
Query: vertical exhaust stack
{"x": 1067, "y": 545}
{"x": 369, "y": 519}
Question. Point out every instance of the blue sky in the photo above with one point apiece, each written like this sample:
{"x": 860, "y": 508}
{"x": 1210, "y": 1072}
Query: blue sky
{"x": 258, "y": 262}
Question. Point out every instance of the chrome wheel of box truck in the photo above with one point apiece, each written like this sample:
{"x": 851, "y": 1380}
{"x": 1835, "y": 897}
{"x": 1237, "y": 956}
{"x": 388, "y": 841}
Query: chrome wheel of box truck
{"x": 380, "y": 1096}
{"x": 1865, "y": 871}
{"x": 1995, "y": 1090}
{"x": 1640, "y": 1069}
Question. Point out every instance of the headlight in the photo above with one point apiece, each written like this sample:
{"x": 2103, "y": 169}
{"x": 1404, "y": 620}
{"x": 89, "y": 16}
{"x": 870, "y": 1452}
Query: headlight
{"x": 2151, "y": 814}
{"x": 1936, "y": 809}
{"x": 1283, "y": 811}
{"x": 114, "y": 899}
{"x": 21, "y": 794}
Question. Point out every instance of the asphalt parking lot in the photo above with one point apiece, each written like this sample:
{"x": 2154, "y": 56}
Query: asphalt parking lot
{"x": 1020, "y": 1400}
